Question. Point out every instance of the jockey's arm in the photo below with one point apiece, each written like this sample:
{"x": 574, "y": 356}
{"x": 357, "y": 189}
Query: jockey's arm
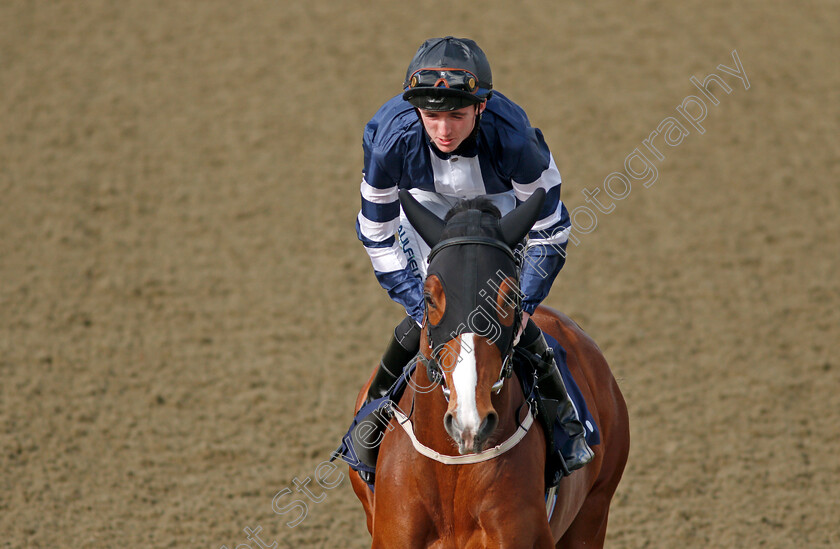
{"x": 545, "y": 252}
{"x": 376, "y": 228}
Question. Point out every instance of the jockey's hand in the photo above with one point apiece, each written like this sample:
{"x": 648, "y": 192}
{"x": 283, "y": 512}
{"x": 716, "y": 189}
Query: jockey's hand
{"x": 525, "y": 317}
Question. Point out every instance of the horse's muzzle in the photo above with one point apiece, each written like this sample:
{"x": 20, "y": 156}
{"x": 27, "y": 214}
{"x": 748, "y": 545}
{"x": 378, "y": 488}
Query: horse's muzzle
{"x": 469, "y": 439}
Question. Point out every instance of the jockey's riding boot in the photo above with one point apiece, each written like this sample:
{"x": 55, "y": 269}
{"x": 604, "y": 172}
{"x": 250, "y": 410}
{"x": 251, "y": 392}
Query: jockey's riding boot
{"x": 576, "y": 452}
{"x": 404, "y": 345}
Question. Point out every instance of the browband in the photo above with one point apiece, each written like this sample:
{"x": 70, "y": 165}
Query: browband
{"x": 458, "y": 240}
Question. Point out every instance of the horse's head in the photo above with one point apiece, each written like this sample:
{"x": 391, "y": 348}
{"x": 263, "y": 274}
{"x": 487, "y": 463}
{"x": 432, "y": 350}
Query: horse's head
{"x": 472, "y": 306}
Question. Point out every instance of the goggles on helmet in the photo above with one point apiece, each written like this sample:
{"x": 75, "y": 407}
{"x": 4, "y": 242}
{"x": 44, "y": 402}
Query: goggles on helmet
{"x": 457, "y": 79}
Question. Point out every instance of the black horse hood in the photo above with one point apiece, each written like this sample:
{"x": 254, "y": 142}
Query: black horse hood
{"x": 472, "y": 257}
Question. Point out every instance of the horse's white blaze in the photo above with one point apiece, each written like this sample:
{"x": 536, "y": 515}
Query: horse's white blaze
{"x": 465, "y": 381}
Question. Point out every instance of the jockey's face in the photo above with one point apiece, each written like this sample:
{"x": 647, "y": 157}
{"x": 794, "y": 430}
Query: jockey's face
{"x": 448, "y": 129}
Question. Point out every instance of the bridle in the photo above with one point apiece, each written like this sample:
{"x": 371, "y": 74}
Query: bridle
{"x": 434, "y": 370}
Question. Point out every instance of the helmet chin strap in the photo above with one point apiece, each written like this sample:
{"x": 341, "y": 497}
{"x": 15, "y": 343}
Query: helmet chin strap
{"x": 474, "y": 134}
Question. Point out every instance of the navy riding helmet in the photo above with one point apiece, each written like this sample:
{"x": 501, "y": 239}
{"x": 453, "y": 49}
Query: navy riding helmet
{"x": 448, "y": 74}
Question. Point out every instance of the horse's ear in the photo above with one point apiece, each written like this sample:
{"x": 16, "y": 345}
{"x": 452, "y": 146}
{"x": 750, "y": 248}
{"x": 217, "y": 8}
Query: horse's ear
{"x": 516, "y": 223}
{"x": 424, "y": 221}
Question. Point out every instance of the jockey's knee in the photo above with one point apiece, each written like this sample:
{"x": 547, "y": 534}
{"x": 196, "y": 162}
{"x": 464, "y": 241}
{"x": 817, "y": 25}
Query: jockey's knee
{"x": 407, "y": 334}
{"x": 529, "y": 335}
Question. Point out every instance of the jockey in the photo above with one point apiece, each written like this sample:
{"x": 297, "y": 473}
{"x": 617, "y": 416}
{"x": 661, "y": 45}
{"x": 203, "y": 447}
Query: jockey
{"x": 449, "y": 137}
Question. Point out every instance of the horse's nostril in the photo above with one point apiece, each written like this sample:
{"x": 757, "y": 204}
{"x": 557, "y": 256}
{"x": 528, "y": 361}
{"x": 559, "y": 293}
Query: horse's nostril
{"x": 488, "y": 425}
{"x": 448, "y": 419}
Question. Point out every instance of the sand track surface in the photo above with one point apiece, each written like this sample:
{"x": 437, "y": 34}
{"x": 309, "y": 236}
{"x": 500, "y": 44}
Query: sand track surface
{"x": 186, "y": 314}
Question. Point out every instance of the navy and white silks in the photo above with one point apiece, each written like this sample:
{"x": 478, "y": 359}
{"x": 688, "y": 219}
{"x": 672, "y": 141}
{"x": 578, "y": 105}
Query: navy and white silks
{"x": 507, "y": 162}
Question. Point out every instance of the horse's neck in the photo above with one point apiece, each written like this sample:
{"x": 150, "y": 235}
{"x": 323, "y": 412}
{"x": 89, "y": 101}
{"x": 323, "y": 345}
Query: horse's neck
{"x": 511, "y": 407}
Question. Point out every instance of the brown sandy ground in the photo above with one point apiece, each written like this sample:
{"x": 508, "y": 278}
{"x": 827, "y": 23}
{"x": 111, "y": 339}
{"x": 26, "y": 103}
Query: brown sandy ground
{"x": 186, "y": 316}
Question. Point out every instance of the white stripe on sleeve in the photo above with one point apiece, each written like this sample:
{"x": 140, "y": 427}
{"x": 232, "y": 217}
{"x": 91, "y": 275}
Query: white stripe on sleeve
{"x": 547, "y": 180}
{"x": 551, "y": 220}
{"x": 378, "y": 232}
{"x": 379, "y": 196}
{"x": 555, "y": 239}
{"x": 387, "y": 260}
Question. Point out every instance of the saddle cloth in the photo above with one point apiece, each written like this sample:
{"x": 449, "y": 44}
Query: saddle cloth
{"x": 525, "y": 373}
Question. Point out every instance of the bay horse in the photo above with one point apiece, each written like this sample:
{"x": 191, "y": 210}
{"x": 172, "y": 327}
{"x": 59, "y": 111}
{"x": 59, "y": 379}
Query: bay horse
{"x": 461, "y": 491}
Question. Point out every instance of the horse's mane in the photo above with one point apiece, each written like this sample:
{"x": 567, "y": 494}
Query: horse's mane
{"x": 480, "y": 203}
{"x": 473, "y": 217}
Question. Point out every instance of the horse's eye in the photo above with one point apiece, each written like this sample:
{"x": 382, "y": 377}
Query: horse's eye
{"x": 428, "y": 298}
